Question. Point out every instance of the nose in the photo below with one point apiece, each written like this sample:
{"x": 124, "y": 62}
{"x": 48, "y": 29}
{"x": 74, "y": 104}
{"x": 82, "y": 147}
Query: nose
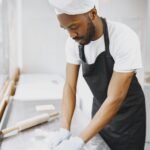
{"x": 73, "y": 34}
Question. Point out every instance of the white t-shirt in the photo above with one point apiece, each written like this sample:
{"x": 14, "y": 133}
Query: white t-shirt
{"x": 124, "y": 48}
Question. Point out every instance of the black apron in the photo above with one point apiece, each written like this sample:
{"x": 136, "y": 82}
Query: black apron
{"x": 126, "y": 131}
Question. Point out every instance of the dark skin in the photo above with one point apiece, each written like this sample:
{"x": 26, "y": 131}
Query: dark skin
{"x": 78, "y": 27}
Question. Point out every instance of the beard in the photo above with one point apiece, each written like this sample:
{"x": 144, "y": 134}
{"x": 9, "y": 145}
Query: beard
{"x": 90, "y": 33}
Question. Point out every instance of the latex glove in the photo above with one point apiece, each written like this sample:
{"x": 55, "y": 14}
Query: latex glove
{"x": 74, "y": 143}
{"x": 55, "y": 138}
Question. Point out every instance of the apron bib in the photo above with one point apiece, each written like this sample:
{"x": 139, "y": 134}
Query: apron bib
{"x": 126, "y": 131}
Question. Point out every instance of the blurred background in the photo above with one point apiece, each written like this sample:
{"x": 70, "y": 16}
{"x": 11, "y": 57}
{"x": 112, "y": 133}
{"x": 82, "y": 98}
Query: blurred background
{"x": 31, "y": 39}
{"x": 29, "y": 33}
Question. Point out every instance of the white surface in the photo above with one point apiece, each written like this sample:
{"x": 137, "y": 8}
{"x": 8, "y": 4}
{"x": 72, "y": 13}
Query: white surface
{"x": 40, "y": 136}
{"x": 39, "y": 142}
{"x": 36, "y": 78}
{"x": 39, "y": 86}
{"x": 44, "y": 107}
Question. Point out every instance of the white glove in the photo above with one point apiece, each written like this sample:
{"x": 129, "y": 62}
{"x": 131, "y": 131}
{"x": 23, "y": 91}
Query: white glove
{"x": 74, "y": 143}
{"x": 55, "y": 138}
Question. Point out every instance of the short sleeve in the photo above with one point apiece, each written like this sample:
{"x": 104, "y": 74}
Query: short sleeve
{"x": 128, "y": 52}
{"x": 72, "y": 52}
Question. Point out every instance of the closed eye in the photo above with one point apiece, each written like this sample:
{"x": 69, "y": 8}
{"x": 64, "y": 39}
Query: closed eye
{"x": 73, "y": 27}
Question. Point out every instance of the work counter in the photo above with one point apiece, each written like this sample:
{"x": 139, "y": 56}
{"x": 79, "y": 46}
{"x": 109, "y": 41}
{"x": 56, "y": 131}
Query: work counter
{"x": 22, "y": 110}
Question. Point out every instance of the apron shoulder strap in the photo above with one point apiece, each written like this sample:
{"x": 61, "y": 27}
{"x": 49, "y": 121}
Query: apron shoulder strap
{"x": 106, "y": 36}
{"x": 81, "y": 52}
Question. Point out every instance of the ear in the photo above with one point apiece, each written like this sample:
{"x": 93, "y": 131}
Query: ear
{"x": 93, "y": 14}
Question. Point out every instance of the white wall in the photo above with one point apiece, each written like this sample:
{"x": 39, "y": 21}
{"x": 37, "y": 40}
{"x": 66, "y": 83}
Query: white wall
{"x": 147, "y": 52}
{"x": 10, "y": 32}
{"x": 43, "y": 41}
{"x": 3, "y": 51}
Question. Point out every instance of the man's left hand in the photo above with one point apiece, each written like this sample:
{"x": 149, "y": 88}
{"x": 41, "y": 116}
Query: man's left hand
{"x": 74, "y": 143}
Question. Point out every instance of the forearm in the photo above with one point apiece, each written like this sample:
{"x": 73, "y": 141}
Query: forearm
{"x": 103, "y": 116}
{"x": 67, "y": 106}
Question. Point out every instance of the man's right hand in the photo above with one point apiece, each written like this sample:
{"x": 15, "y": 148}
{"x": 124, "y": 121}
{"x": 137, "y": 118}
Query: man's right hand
{"x": 56, "y": 137}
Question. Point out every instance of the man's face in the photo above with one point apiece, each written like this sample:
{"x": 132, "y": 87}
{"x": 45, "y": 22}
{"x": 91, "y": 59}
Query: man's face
{"x": 80, "y": 27}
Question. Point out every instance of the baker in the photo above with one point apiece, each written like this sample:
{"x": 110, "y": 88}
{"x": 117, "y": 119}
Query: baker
{"x": 109, "y": 54}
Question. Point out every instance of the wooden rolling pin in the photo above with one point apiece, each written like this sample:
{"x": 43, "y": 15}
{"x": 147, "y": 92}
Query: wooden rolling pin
{"x": 6, "y": 97}
{"x": 3, "y": 105}
{"x": 15, "y": 75}
{"x": 2, "y": 91}
{"x": 23, "y": 125}
{"x": 10, "y": 88}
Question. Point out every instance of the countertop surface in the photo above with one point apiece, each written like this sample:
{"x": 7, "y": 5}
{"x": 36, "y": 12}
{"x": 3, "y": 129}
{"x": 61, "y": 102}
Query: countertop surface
{"x": 21, "y": 110}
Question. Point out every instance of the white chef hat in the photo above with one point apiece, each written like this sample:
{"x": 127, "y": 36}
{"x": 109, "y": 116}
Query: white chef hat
{"x": 72, "y": 7}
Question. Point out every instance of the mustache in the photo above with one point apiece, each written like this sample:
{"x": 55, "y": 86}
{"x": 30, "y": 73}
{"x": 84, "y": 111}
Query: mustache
{"x": 78, "y": 38}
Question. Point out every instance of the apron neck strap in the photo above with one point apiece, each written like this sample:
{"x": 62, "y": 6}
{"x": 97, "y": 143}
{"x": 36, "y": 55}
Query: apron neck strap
{"x": 81, "y": 52}
{"x": 106, "y": 35}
